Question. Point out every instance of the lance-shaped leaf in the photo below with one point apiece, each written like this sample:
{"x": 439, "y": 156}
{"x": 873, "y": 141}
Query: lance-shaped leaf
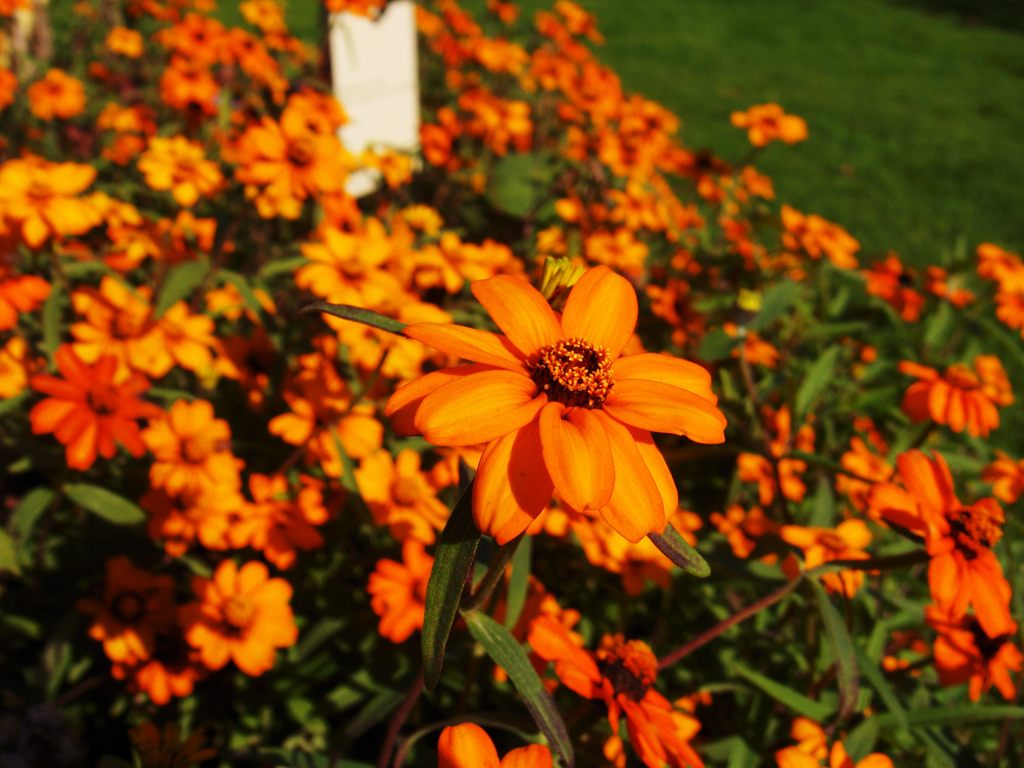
{"x": 180, "y": 283}
{"x": 785, "y": 695}
{"x": 511, "y": 656}
{"x": 455, "y": 552}
{"x": 106, "y": 504}
{"x": 357, "y": 315}
{"x": 814, "y": 383}
{"x": 847, "y": 673}
{"x": 673, "y": 546}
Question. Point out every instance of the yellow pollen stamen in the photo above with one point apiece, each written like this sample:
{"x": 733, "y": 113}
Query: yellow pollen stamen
{"x": 574, "y": 372}
{"x": 977, "y": 526}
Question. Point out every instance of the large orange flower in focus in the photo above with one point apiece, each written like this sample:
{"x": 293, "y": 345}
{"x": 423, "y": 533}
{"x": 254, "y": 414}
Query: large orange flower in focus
{"x": 87, "y": 411}
{"x": 963, "y": 570}
{"x": 621, "y": 674}
{"x": 241, "y": 616}
{"x": 468, "y": 746}
{"x": 558, "y": 407}
{"x": 959, "y": 398}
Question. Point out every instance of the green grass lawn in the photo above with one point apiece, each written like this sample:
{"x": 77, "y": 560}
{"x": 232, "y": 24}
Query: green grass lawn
{"x": 915, "y": 107}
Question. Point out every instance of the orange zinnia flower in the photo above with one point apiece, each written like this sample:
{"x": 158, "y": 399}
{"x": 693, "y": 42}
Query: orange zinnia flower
{"x": 469, "y": 746}
{"x": 192, "y": 449}
{"x": 890, "y": 282}
{"x": 959, "y": 398}
{"x": 963, "y": 570}
{"x": 823, "y": 545}
{"x": 181, "y": 166}
{"x": 127, "y": 42}
{"x": 16, "y": 365}
{"x": 8, "y": 86}
{"x": 136, "y": 606}
{"x": 275, "y": 523}
{"x": 813, "y": 748}
{"x": 19, "y": 293}
{"x": 241, "y": 616}
{"x": 558, "y": 407}
{"x": 87, "y": 411}
{"x": 399, "y": 591}
{"x": 963, "y": 652}
{"x": 58, "y": 94}
{"x": 767, "y": 122}
{"x": 400, "y": 496}
{"x": 622, "y": 674}
{"x": 1006, "y": 476}
{"x": 755, "y": 468}
{"x": 39, "y": 195}
{"x": 816, "y": 236}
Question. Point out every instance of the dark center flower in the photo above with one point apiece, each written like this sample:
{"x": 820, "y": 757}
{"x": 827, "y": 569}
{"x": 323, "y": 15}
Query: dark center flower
{"x": 574, "y": 372}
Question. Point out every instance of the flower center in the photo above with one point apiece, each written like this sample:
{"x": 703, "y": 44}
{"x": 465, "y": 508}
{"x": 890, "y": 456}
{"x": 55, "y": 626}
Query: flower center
{"x": 976, "y": 526}
{"x": 300, "y": 150}
{"x": 239, "y": 612}
{"x": 574, "y": 372}
{"x": 832, "y": 541}
{"x": 128, "y": 607}
{"x": 629, "y": 666}
{"x": 406, "y": 490}
{"x": 103, "y": 400}
{"x": 196, "y": 448}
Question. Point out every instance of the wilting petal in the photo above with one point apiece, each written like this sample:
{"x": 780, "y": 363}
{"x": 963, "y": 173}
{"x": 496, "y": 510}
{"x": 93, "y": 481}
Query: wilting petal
{"x": 469, "y": 344}
{"x": 577, "y": 455}
{"x": 661, "y": 407}
{"x": 478, "y": 408}
{"x": 602, "y": 309}
{"x": 635, "y": 508}
{"x": 520, "y": 311}
{"x": 401, "y": 408}
{"x": 667, "y": 370}
{"x": 466, "y": 746}
{"x": 512, "y": 484}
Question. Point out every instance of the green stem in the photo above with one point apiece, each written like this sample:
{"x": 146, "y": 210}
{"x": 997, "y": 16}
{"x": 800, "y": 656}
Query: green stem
{"x": 495, "y": 571}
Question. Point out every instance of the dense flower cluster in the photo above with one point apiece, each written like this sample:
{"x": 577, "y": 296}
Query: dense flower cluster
{"x": 624, "y": 344}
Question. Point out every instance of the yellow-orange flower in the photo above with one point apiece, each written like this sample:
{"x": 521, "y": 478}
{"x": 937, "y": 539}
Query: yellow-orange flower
{"x": 816, "y": 236}
{"x": 16, "y": 366}
{"x": 40, "y": 196}
{"x": 192, "y": 449}
{"x": 277, "y": 524}
{"x": 399, "y": 591}
{"x": 19, "y": 293}
{"x": 181, "y": 166}
{"x": 136, "y": 606}
{"x": 767, "y": 122}
{"x": 241, "y": 616}
{"x": 960, "y": 397}
{"x": 87, "y": 411}
{"x": 127, "y": 42}
{"x": 813, "y": 748}
{"x": 823, "y": 545}
{"x": 400, "y": 496}
{"x": 469, "y": 746}
{"x": 558, "y": 406}
{"x": 58, "y": 94}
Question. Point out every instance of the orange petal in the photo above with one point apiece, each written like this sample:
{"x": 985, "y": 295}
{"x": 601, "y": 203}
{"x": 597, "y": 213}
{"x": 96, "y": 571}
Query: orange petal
{"x": 578, "y": 456}
{"x": 478, "y": 408}
{"x": 533, "y": 756}
{"x": 401, "y": 408}
{"x": 658, "y": 468}
{"x": 956, "y": 411}
{"x": 667, "y": 370}
{"x": 602, "y": 309}
{"x": 938, "y": 401}
{"x": 635, "y": 508}
{"x": 929, "y": 482}
{"x": 469, "y": 344}
{"x": 520, "y": 311}
{"x": 466, "y": 746}
{"x": 661, "y": 407}
{"x": 512, "y": 484}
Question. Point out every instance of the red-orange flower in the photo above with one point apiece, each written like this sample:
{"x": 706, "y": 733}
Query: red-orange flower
{"x": 127, "y": 42}
{"x": 1006, "y": 476}
{"x": 558, "y": 407}
{"x": 399, "y": 591}
{"x": 277, "y": 524}
{"x": 959, "y": 398}
{"x": 87, "y": 411}
{"x": 890, "y": 282}
{"x": 622, "y": 674}
{"x": 963, "y": 652}
{"x": 19, "y": 293}
{"x": 469, "y": 746}
{"x": 241, "y": 616}
{"x": 963, "y": 570}
{"x": 58, "y": 94}
{"x": 823, "y": 545}
{"x": 813, "y": 748}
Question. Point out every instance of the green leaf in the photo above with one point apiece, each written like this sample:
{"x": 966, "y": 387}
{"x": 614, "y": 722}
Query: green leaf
{"x": 673, "y": 546}
{"x": 799, "y": 703}
{"x": 814, "y": 382}
{"x": 375, "y": 710}
{"x": 940, "y": 327}
{"x": 8, "y": 554}
{"x": 357, "y": 315}
{"x": 511, "y": 186}
{"x": 861, "y": 741}
{"x": 958, "y": 715}
{"x": 879, "y": 682}
{"x": 519, "y": 584}
{"x": 25, "y": 515}
{"x": 279, "y": 266}
{"x": 776, "y": 300}
{"x": 51, "y": 320}
{"x": 106, "y": 504}
{"x": 320, "y": 633}
{"x": 244, "y": 289}
{"x": 8, "y": 404}
{"x": 511, "y": 656}
{"x": 847, "y": 674}
{"x": 823, "y": 506}
{"x": 180, "y": 282}
{"x": 717, "y": 345}
{"x": 454, "y": 558}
